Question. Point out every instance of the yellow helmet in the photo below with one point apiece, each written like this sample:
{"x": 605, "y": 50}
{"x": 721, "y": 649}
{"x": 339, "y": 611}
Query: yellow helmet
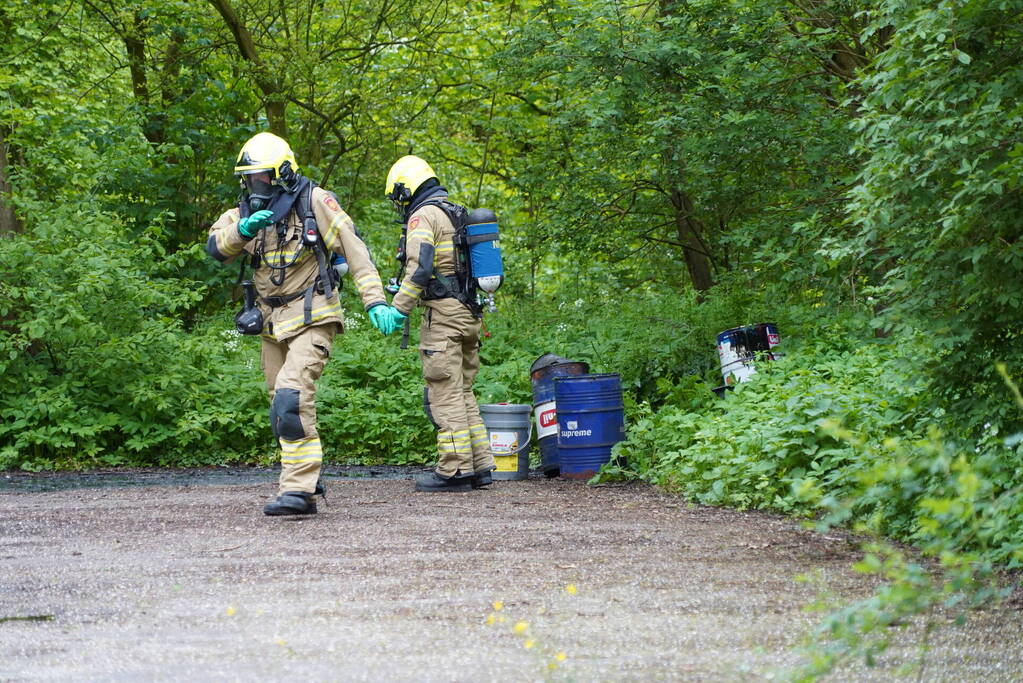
{"x": 266, "y": 152}
{"x": 405, "y": 177}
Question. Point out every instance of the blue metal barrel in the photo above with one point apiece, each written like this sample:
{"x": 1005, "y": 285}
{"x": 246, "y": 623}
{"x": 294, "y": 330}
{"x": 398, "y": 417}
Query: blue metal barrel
{"x": 591, "y": 419}
{"x": 541, "y": 375}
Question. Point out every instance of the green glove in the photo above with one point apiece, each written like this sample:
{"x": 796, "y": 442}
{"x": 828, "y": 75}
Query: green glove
{"x": 385, "y": 318}
{"x": 397, "y": 319}
{"x": 248, "y": 227}
{"x": 377, "y": 316}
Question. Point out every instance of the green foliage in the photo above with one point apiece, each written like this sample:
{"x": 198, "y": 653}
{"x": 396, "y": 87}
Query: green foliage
{"x": 937, "y": 201}
{"x": 963, "y": 508}
{"x": 844, "y": 430}
{"x": 369, "y": 400}
{"x": 95, "y": 367}
{"x": 765, "y": 442}
{"x": 674, "y": 133}
{"x": 841, "y": 169}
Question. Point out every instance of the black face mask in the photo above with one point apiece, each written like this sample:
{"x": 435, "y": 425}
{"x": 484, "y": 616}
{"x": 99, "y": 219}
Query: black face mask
{"x": 259, "y": 192}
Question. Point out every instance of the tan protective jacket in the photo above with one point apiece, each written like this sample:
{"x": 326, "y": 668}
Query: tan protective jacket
{"x": 429, "y": 249}
{"x": 338, "y": 233}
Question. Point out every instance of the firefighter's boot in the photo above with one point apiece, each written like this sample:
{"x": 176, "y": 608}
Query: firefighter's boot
{"x": 434, "y": 483}
{"x": 291, "y": 503}
{"x": 482, "y": 479}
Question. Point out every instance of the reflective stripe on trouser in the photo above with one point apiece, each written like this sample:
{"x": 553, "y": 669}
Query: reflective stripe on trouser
{"x": 449, "y": 351}
{"x": 455, "y": 447}
{"x": 482, "y": 456}
{"x": 291, "y": 369}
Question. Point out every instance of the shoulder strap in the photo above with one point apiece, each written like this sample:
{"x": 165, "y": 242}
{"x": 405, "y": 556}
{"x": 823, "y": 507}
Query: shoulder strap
{"x": 304, "y": 203}
{"x": 456, "y": 213}
{"x": 463, "y": 289}
{"x": 304, "y": 207}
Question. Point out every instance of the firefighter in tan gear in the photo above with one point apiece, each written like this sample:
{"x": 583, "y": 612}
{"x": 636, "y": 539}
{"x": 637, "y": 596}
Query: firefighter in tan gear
{"x": 449, "y": 338}
{"x": 288, "y": 230}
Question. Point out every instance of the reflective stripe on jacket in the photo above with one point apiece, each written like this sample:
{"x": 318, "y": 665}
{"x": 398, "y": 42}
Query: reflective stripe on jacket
{"x": 225, "y": 243}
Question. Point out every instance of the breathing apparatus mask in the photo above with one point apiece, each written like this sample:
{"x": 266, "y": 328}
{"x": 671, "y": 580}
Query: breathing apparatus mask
{"x": 259, "y": 189}
{"x": 400, "y": 197}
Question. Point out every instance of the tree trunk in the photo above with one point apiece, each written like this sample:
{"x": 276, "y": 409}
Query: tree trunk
{"x": 689, "y": 232}
{"x": 8, "y": 219}
{"x": 134, "y": 38}
{"x": 272, "y": 92}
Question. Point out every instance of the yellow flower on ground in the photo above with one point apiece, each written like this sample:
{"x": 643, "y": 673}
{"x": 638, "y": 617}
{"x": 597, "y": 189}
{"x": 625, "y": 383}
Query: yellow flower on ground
{"x": 521, "y": 626}
{"x": 560, "y": 656}
{"x": 529, "y": 644}
{"x": 571, "y": 589}
{"x": 231, "y": 611}
{"x": 490, "y": 620}
{"x": 498, "y": 606}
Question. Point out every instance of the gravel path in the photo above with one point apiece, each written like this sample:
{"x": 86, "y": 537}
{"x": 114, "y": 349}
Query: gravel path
{"x": 192, "y": 582}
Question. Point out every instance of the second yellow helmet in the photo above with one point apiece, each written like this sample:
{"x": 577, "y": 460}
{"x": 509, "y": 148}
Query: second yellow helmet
{"x": 405, "y": 177}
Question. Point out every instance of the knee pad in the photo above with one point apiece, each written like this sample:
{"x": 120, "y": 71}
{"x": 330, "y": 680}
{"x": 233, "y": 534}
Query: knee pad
{"x": 284, "y": 418}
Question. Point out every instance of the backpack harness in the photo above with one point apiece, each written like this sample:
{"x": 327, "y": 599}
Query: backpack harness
{"x": 443, "y": 286}
{"x": 325, "y": 281}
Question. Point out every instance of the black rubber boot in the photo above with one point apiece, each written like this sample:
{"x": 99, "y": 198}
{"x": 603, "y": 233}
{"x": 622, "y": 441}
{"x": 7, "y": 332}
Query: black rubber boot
{"x": 434, "y": 483}
{"x": 482, "y": 479}
{"x": 291, "y": 503}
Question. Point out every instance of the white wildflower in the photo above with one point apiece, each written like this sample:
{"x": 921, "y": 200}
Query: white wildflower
{"x": 230, "y": 337}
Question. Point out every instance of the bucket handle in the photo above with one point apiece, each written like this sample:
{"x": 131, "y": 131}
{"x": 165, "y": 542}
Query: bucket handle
{"x": 525, "y": 445}
{"x": 529, "y": 438}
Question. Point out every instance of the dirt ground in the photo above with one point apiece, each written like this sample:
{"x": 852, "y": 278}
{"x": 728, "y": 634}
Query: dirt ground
{"x": 165, "y": 576}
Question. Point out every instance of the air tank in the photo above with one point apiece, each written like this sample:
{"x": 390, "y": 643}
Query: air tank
{"x": 485, "y": 249}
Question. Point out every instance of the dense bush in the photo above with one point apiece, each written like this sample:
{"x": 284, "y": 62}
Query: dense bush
{"x": 840, "y": 423}
{"x": 96, "y": 370}
{"x": 94, "y": 366}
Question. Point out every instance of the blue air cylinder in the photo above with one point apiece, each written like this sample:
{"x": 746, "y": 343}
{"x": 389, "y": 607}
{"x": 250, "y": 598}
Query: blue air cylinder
{"x": 338, "y": 263}
{"x": 485, "y": 249}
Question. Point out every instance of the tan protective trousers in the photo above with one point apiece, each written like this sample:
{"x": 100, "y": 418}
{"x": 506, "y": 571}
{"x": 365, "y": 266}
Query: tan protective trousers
{"x": 449, "y": 348}
{"x": 291, "y": 368}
